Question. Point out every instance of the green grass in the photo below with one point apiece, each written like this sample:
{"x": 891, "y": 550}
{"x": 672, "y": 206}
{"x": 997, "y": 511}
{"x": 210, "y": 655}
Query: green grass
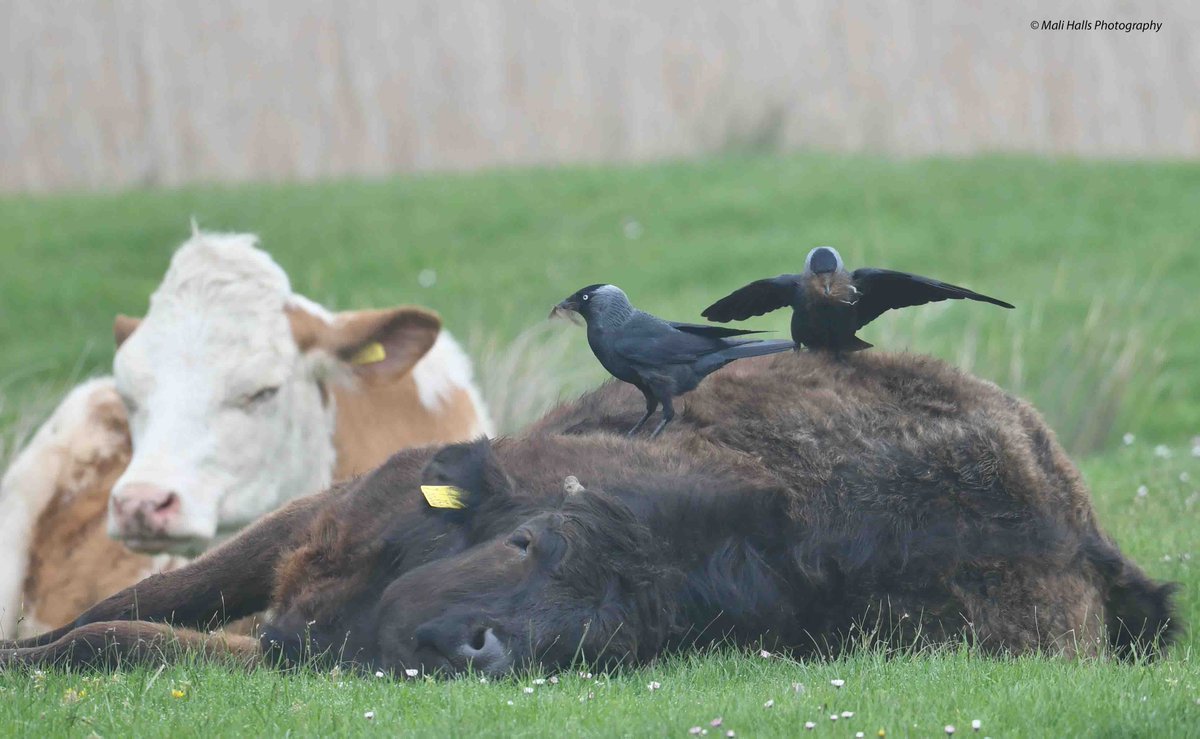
{"x": 1101, "y": 259}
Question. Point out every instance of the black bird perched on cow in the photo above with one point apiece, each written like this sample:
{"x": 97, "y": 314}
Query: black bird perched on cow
{"x": 829, "y": 304}
{"x": 663, "y": 359}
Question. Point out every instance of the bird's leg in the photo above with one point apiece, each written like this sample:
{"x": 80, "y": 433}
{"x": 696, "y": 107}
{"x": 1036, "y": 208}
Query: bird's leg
{"x": 651, "y": 406}
{"x": 667, "y": 414}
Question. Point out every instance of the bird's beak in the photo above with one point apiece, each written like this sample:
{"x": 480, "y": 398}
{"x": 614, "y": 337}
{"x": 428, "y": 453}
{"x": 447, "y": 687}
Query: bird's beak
{"x": 567, "y": 309}
{"x": 828, "y": 283}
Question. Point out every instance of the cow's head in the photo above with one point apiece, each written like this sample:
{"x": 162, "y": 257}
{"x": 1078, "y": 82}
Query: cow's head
{"x": 579, "y": 579}
{"x": 226, "y": 381}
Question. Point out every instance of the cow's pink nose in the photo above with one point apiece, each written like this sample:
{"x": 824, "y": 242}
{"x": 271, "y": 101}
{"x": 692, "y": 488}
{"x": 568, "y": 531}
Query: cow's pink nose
{"x": 145, "y": 510}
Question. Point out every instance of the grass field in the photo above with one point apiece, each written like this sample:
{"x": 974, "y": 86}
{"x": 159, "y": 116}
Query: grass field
{"x": 1101, "y": 259}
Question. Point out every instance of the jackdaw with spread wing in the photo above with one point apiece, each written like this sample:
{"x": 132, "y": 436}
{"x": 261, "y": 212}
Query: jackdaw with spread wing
{"x": 829, "y": 304}
{"x": 663, "y": 359}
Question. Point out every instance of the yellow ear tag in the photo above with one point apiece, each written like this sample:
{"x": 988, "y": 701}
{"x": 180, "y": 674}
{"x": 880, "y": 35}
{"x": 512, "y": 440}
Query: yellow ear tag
{"x": 443, "y": 496}
{"x": 369, "y": 354}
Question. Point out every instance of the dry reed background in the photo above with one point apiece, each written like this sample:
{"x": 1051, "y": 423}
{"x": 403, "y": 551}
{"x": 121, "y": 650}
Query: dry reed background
{"x": 142, "y": 92}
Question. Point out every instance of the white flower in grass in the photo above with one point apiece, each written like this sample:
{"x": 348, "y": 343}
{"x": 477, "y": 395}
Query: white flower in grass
{"x": 369, "y": 715}
{"x": 847, "y": 714}
{"x": 654, "y": 685}
{"x": 1195, "y": 448}
{"x": 949, "y": 729}
{"x": 1142, "y": 491}
{"x": 554, "y": 679}
{"x": 976, "y": 725}
{"x": 1128, "y": 438}
{"x": 764, "y": 654}
{"x": 769, "y": 703}
{"x": 427, "y": 278}
{"x": 833, "y": 717}
{"x": 809, "y": 725}
{"x": 695, "y": 730}
{"x": 715, "y": 722}
{"x": 540, "y": 681}
{"x": 379, "y": 673}
{"x": 528, "y": 689}
{"x": 483, "y": 681}
{"x": 837, "y": 683}
{"x": 510, "y": 703}
{"x": 411, "y": 672}
{"x": 730, "y": 734}
{"x": 859, "y": 735}
{"x": 1162, "y": 451}
{"x": 1184, "y": 477}
{"x": 797, "y": 687}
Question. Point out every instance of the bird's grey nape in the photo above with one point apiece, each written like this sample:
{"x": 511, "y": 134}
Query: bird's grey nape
{"x": 610, "y": 303}
{"x": 818, "y": 260}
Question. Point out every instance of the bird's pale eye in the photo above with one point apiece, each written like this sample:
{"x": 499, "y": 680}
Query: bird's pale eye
{"x": 585, "y": 297}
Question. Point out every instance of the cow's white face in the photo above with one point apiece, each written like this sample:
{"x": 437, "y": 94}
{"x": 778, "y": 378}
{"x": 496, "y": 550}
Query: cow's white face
{"x": 225, "y": 383}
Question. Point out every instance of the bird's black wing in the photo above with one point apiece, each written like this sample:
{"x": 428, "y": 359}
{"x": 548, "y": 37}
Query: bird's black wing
{"x": 883, "y": 289}
{"x": 652, "y": 342}
{"x": 755, "y": 299}
{"x": 715, "y": 332}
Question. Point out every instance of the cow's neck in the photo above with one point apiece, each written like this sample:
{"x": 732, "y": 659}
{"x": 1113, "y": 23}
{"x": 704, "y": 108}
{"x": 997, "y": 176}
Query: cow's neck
{"x": 376, "y": 417}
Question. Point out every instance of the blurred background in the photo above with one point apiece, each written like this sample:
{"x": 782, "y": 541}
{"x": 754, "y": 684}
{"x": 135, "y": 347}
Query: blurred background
{"x": 144, "y": 93}
{"x": 488, "y": 158}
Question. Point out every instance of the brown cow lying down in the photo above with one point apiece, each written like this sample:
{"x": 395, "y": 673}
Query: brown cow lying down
{"x": 795, "y": 500}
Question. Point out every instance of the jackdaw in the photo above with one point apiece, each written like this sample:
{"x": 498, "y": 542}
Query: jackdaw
{"x": 829, "y": 304}
{"x": 663, "y": 359}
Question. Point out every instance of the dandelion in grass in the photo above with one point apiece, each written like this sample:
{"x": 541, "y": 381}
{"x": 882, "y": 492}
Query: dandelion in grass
{"x": 881, "y": 734}
{"x": 176, "y": 693}
{"x": 837, "y": 683}
{"x": 1128, "y": 438}
{"x": 1162, "y": 451}
{"x": 654, "y": 685}
{"x": 769, "y": 703}
{"x": 369, "y": 715}
{"x": 71, "y": 695}
{"x": 427, "y": 278}
{"x": 1184, "y": 477}
{"x": 1142, "y": 491}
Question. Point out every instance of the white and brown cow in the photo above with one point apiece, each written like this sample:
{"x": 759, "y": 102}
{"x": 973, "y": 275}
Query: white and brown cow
{"x": 230, "y": 397}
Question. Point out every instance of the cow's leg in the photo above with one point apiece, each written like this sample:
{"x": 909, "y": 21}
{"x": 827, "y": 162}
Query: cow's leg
{"x": 111, "y": 644}
{"x": 232, "y": 581}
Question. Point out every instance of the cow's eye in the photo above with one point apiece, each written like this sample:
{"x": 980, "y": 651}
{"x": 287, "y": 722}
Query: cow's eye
{"x": 521, "y": 541}
{"x": 259, "y": 396}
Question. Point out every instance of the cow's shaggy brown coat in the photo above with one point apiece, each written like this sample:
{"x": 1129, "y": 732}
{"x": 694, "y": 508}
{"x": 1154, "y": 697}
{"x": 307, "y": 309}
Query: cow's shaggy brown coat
{"x": 795, "y": 498}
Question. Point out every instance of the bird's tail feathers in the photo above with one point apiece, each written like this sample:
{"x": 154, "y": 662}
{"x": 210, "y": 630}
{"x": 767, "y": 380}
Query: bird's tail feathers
{"x": 755, "y": 348}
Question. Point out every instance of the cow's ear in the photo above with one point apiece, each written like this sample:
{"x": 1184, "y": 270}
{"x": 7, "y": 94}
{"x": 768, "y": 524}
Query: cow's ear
{"x": 123, "y": 327}
{"x": 462, "y": 476}
{"x": 375, "y": 343}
